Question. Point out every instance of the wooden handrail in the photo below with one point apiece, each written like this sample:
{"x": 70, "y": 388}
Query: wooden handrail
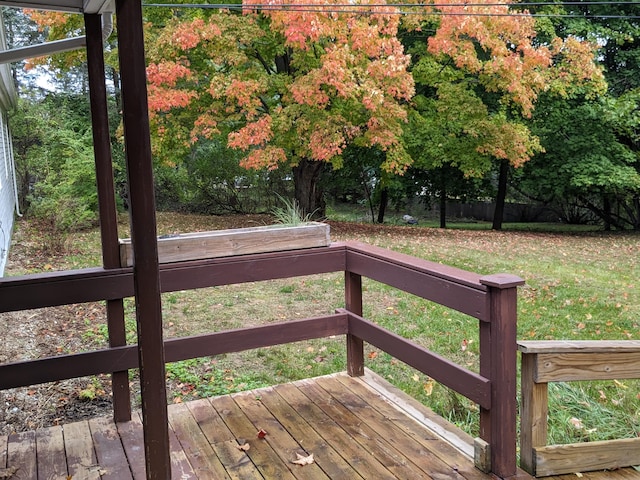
{"x": 564, "y": 361}
{"x": 491, "y": 299}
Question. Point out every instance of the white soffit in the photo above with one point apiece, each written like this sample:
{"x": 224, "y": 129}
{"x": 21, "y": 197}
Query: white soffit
{"x": 77, "y": 6}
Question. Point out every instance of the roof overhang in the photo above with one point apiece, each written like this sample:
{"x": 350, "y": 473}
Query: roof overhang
{"x": 74, "y": 6}
{"x": 48, "y": 48}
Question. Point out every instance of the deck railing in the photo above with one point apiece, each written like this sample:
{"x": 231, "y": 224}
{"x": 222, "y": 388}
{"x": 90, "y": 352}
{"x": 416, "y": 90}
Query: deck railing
{"x": 564, "y": 361}
{"x": 491, "y": 299}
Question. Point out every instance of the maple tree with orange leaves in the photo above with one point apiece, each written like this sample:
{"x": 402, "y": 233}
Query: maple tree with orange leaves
{"x": 288, "y": 88}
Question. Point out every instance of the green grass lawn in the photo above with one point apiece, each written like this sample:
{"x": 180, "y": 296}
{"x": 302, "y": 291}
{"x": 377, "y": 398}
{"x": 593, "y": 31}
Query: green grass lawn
{"x": 580, "y": 284}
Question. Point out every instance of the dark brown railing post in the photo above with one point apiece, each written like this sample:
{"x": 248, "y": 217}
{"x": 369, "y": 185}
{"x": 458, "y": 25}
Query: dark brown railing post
{"x": 106, "y": 204}
{"x": 146, "y": 276}
{"x": 498, "y": 363}
{"x": 353, "y": 303}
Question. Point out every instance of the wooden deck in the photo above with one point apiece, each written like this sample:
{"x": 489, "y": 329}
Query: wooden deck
{"x": 353, "y": 427}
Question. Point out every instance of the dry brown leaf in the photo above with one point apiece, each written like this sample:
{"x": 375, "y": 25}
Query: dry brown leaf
{"x": 8, "y": 472}
{"x": 244, "y": 447}
{"x": 428, "y": 388}
{"x": 576, "y": 422}
{"x": 302, "y": 460}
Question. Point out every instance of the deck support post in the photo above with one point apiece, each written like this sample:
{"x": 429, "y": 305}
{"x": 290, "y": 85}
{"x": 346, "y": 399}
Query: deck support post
{"x": 353, "y": 303}
{"x": 146, "y": 278}
{"x": 533, "y": 414}
{"x": 106, "y": 203}
{"x": 498, "y": 347}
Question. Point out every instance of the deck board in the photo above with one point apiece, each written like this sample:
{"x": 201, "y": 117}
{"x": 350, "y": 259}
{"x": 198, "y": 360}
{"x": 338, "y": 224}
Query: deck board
{"x": 81, "y": 456}
{"x": 199, "y": 452}
{"x": 325, "y": 455}
{"x": 356, "y": 428}
{"x": 50, "y": 452}
{"x": 21, "y": 454}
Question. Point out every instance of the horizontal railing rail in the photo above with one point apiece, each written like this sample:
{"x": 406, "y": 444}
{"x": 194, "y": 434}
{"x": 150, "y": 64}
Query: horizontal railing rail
{"x": 490, "y": 299}
{"x": 473, "y": 386}
{"x": 52, "y": 289}
{"x": 114, "y": 359}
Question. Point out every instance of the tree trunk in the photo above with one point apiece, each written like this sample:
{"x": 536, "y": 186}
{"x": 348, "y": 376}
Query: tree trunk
{"x": 606, "y": 208}
{"x": 443, "y": 199}
{"x": 384, "y": 201}
{"x": 498, "y": 213}
{"x": 306, "y": 177}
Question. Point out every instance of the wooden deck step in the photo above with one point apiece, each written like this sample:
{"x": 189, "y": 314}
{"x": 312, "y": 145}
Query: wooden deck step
{"x": 356, "y": 428}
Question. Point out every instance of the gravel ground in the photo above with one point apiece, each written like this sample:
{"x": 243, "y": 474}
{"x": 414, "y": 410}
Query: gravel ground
{"x": 44, "y": 332}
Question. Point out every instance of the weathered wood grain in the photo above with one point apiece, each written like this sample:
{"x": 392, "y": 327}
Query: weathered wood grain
{"x": 355, "y": 427}
{"x": 277, "y": 436}
{"x": 441, "y": 437}
{"x": 3, "y": 451}
{"x": 239, "y": 241}
{"x": 131, "y": 435}
{"x": 78, "y": 446}
{"x": 420, "y": 460}
{"x": 533, "y": 414}
{"x": 194, "y": 443}
{"x": 109, "y": 451}
{"x": 267, "y": 461}
{"x": 21, "y": 454}
{"x": 235, "y": 461}
{"x": 612, "y": 454}
{"x": 583, "y": 346}
{"x": 567, "y": 367}
{"x": 309, "y": 439}
{"x": 360, "y": 459}
{"x": 50, "y": 452}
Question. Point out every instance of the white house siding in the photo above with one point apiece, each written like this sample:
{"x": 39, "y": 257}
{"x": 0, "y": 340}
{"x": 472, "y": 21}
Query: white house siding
{"x": 7, "y": 190}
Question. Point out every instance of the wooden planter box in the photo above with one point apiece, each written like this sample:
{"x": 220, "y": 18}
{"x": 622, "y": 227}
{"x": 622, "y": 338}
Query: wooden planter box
{"x": 240, "y": 241}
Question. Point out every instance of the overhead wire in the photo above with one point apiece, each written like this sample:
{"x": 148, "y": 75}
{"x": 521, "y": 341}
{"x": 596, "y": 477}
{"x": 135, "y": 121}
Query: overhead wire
{"x": 410, "y": 8}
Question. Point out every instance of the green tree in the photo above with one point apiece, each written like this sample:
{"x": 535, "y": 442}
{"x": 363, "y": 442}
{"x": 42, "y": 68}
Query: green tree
{"x": 55, "y": 165}
{"x": 606, "y": 141}
{"x": 478, "y": 81}
{"x": 585, "y": 165}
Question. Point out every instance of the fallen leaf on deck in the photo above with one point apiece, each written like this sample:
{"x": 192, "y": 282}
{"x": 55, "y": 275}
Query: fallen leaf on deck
{"x": 244, "y": 447}
{"x": 8, "y": 472}
{"x": 579, "y": 475}
{"x": 262, "y": 433}
{"x": 302, "y": 460}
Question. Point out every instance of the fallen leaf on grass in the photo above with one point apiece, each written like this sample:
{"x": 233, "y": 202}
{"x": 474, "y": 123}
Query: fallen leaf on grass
{"x": 8, "y": 472}
{"x": 619, "y": 384}
{"x": 428, "y": 388}
{"x": 576, "y": 422}
{"x": 302, "y": 460}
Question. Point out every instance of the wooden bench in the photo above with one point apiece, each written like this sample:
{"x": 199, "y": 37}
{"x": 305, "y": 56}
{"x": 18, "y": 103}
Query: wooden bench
{"x": 564, "y": 361}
